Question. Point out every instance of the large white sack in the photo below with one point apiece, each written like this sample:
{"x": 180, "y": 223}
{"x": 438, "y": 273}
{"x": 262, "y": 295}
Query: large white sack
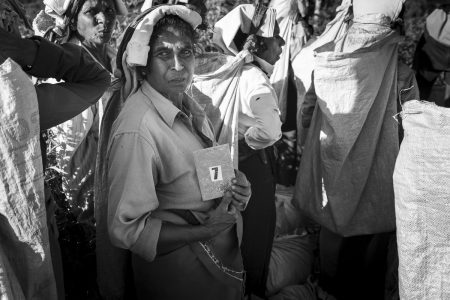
{"x": 422, "y": 202}
{"x": 25, "y": 253}
{"x": 288, "y": 217}
{"x": 345, "y": 177}
{"x": 303, "y": 63}
{"x": 215, "y": 87}
{"x": 291, "y": 262}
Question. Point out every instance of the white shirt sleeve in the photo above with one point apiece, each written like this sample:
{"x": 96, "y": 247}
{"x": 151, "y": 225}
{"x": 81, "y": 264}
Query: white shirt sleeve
{"x": 266, "y": 128}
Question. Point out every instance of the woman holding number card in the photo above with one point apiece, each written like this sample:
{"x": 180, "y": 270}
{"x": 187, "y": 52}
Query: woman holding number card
{"x": 182, "y": 247}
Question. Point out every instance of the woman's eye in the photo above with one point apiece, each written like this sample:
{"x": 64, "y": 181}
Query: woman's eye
{"x": 163, "y": 54}
{"x": 186, "y": 52}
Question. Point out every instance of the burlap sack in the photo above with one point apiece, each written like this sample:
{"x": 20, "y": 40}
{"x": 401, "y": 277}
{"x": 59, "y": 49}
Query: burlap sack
{"x": 25, "y": 260}
{"x": 345, "y": 176}
{"x": 422, "y": 207}
{"x": 215, "y": 87}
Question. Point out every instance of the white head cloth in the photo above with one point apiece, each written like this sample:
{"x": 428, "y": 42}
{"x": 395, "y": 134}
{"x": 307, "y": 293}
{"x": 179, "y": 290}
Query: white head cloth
{"x": 138, "y": 46}
{"x": 438, "y": 26}
{"x": 387, "y": 8}
{"x": 241, "y": 18}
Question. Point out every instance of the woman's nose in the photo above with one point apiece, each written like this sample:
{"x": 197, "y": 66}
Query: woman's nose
{"x": 100, "y": 18}
{"x": 178, "y": 63}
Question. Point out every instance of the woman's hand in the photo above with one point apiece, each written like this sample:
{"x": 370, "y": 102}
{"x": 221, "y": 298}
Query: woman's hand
{"x": 222, "y": 217}
{"x": 241, "y": 191}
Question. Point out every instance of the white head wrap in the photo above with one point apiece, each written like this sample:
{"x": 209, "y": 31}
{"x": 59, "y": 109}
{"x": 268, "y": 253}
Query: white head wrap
{"x": 438, "y": 26}
{"x": 138, "y": 47}
{"x": 387, "y": 8}
{"x": 241, "y": 18}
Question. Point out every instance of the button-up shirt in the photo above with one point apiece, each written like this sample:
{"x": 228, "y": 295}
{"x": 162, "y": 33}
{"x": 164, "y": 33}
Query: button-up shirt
{"x": 151, "y": 167}
{"x": 259, "y": 116}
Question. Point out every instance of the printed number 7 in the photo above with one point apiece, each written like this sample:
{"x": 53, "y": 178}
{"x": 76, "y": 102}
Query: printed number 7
{"x": 216, "y": 172}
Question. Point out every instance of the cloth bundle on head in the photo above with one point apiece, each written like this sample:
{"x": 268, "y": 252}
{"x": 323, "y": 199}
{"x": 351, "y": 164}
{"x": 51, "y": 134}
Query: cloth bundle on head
{"x": 388, "y": 8}
{"x": 240, "y": 18}
{"x": 438, "y": 26}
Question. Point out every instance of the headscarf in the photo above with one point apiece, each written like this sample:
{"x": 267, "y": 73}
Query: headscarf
{"x": 134, "y": 48}
{"x": 240, "y": 18}
{"x": 64, "y": 11}
{"x": 388, "y": 10}
{"x": 438, "y": 26}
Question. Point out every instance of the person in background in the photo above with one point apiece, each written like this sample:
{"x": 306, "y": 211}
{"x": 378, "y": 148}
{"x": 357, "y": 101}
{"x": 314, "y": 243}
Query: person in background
{"x": 259, "y": 127}
{"x": 90, "y": 25}
{"x": 432, "y": 58}
{"x": 85, "y": 82}
{"x": 181, "y": 247}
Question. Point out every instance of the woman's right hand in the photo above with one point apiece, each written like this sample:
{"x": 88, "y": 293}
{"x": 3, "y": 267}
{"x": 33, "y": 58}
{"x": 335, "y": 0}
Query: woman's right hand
{"x": 223, "y": 217}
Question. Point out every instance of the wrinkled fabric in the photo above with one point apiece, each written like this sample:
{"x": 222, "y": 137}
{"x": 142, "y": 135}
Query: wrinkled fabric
{"x": 422, "y": 208}
{"x": 238, "y": 99}
{"x": 223, "y": 108}
{"x": 303, "y": 63}
{"x": 345, "y": 178}
{"x": 286, "y": 14}
{"x": 291, "y": 262}
{"x": 240, "y": 18}
{"x": 389, "y": 8}
{"x": 25, "y": 259}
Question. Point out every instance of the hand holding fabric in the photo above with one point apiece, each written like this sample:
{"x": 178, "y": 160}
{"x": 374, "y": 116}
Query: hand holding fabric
{"x": 222, "y": 217}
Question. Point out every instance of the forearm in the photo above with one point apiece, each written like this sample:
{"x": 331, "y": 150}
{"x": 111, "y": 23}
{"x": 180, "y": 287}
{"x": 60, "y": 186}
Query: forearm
{"x": 85, "y": 82}
{"x": 173, "y": 236}
{"x": 22, "y": 51}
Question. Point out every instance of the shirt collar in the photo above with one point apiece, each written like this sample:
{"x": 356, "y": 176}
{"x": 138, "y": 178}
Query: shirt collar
{"x": 164, "y": 106}
{"x": 264, "y": 65}
{"x": 169, "y": 112}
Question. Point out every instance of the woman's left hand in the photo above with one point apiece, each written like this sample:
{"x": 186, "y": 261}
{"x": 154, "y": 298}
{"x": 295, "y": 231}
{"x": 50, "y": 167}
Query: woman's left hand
{"x": 241, "y": 190}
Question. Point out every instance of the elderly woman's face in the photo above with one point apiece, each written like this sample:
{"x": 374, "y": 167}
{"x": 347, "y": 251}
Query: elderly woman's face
{"x": 95, "y": 22}
{"x": 171, "y": 62}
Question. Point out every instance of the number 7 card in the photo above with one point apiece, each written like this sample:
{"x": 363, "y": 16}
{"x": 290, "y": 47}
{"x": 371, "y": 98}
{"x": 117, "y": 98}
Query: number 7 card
{"x": 214, "y": 171}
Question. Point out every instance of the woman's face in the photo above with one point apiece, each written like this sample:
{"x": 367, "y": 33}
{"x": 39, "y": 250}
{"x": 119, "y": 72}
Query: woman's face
{"x": 95, "y": 22}
{"x": 171, "y": 62}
